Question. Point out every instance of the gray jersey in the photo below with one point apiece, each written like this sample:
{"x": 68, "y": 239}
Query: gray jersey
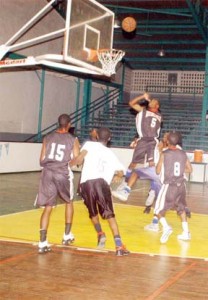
{"x": 148, "y": 124}
{"x": 173, "y": 171}
{"x": 59, "y": 147}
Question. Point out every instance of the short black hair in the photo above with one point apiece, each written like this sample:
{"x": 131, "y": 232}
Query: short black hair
{"x": 174, "y": 138}
{"x": 104, "y": 134}
{"x": 64, "y": 120}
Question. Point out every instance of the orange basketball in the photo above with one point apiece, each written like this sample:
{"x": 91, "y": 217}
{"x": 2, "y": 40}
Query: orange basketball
{"x": 129, "y": 24}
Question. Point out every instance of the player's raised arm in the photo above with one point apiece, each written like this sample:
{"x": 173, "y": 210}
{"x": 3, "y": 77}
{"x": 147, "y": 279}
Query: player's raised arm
{"x": 134, "y": 103}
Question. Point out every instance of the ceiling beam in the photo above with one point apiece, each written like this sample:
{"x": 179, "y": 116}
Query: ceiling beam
{"x": 158, "y": 42}
{"x": 167, "y": 50}
{"x": 126, "y": 9}
{"x": 170, "y": 67}
{"x": 201, "y": 28}
{"x": 165, "y": 59}
{"x": 151, "y": 32}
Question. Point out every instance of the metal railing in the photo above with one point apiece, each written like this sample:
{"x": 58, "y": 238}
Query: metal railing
{"x": 107, "y": 111}
{"x": 100, "y": 105}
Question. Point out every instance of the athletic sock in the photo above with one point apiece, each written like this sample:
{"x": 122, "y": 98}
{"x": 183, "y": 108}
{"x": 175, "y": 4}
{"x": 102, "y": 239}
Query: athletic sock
{"x": 127, "y": 188}
{"x": 98, "y": 228}
{"x": 67, "y": 228}
{"x": 128, "y": 173}
{"x": 164, "y": 223}
{"x": 155, "y": 220}
{"x": 43, "y": 234}
{"x": 118, "y": 241}
{"x": 185, "y": 226}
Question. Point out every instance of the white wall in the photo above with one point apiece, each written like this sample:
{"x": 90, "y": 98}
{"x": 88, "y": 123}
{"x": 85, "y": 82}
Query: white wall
{"x": 24, "y": 157}
{"x": 19, "y": 157}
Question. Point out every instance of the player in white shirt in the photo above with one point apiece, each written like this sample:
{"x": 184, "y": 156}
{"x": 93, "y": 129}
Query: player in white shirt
{"x": 100, "y": 167}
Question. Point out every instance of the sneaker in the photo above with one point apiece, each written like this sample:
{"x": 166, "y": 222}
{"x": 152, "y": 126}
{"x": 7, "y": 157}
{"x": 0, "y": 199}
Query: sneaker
{"x": 147, "y": 209}
{"x": 152, "y": 227}
{"x": 68, "y": 239}
{"x": 121, "y": 194}
{"x": 101, "y": 241}
{"x": 166, "y": 233}
{"x": 150, "y": 199}
{"x": 185, "y": 236}
{"x": 43, "y": 247}
{"x": 121, "y": 251}
{"x": 122, "y": 185}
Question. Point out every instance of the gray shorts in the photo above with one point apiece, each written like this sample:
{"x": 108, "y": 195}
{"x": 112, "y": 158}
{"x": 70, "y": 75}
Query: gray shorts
{"x": 53, "y": 184}
{"x": 144, "y": 149}
{"x": 171, "y": 197}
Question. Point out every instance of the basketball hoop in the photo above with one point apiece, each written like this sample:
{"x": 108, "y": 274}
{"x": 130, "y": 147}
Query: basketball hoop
{"x": 109, "y": 59}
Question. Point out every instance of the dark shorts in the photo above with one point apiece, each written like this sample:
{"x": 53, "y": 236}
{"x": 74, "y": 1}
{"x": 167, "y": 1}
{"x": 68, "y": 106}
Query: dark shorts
{"x": 53, "y": 184}
{"x": 171, "y": 197}
{"x": 144, "y": 148}
{"x": 96, "y": 194}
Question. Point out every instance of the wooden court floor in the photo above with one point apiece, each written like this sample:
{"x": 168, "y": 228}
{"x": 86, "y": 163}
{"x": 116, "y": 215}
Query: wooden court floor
{"x": 151, "y": 271}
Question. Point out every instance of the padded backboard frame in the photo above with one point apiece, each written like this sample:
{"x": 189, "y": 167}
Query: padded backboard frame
{"x": 88, "y": 25}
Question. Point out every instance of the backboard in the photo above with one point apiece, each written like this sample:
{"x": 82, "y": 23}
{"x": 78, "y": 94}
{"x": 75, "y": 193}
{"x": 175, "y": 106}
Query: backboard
{"x": 87, "y": 25}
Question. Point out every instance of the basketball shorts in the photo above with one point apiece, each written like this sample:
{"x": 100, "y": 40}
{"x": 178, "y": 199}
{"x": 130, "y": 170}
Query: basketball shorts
{"x": 97, "y": 198}
{"x": 171, "y": 196}
{"x": 53, "y": 184}
{"x": 145, "y": 150}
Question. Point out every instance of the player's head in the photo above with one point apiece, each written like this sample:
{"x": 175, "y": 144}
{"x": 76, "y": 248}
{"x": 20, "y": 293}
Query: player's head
{"x": 174, "y": 138}
{"x": 103, "y": 135}
{"x": 165, "y": 137}
{"x": 154, "y": 105}
{"x": 64, "y": 121}
{"x": 93, "y": 134}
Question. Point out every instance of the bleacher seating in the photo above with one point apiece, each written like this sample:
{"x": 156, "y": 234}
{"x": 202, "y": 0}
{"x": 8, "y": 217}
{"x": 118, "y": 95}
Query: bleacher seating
{"x": 178, "y": 114}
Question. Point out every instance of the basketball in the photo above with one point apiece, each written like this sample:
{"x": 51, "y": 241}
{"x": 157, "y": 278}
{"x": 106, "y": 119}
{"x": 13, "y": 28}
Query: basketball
{"x": 129, "y": 24}
{"x": 92, "y": 55}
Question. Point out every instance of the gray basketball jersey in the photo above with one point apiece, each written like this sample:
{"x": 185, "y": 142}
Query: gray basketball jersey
{"x": 148, "y": 124}
{"x": 174, "y": 166}
{"x": 59, "y": 148}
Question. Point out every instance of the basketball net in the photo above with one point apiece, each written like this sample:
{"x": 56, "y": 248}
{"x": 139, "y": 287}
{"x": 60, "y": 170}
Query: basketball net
{"x": 109, "y": 59}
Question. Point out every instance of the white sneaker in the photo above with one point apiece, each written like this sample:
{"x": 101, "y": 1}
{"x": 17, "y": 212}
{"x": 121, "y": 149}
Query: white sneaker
{"x": 152, "y": 227}
{"x": 121, "y": 194}
{"x": 166, "y": 233}
{"x": 185, "y": 236}
{"x": 68, "y": 239}
{"x": 122, "y": 185}
{"x": 43, "y": 247}
{"x": 150, "y": 199}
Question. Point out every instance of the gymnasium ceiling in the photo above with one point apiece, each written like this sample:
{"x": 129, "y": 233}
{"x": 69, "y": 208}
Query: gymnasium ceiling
{"x": 178, "y": 27}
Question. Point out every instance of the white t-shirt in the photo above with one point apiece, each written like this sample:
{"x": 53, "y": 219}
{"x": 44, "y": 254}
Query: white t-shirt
{"x": 99, "y": 162}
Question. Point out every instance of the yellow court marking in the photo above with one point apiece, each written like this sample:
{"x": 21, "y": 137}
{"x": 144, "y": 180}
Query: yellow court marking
{"x": 24, "y": 226}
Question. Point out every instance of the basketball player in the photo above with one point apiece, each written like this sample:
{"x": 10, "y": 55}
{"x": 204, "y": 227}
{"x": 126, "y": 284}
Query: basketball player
{"x": 99, "y": 167}
{"x": 148, "y": 124}
{"x": 143, "y": 173}
{"x": 172, "y": 166}
{"x": 57, "y": 179}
